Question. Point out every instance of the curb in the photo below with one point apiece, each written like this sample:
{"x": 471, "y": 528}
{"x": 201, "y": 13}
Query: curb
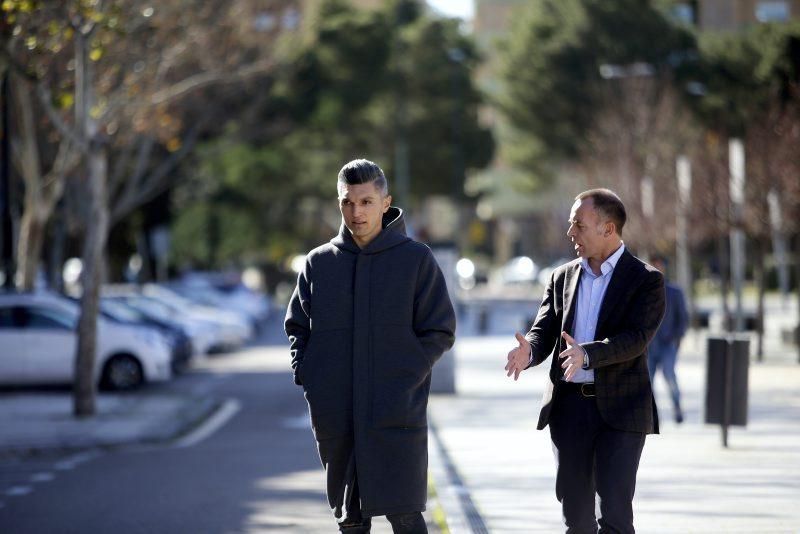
{"x": 460, "y": 513}
{"x": 164, "y": 430}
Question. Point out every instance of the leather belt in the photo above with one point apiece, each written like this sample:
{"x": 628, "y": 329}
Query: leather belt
{"x": 585, "y": 389}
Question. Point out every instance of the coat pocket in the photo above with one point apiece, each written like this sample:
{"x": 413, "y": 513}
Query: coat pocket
{"x": 307, "y": 362}
{"x": 331, "y": 425}
{"x": 401, "y": 380}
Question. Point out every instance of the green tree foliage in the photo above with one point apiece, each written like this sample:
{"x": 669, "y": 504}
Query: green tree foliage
{"x": 744, "y": 74}
{"x": 333, "y": 99}
{"x": 553, "y": 60}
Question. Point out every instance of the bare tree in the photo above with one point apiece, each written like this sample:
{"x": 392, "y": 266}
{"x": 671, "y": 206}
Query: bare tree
{"x": 632, "y": 147}
{"x": 132, "y": 72}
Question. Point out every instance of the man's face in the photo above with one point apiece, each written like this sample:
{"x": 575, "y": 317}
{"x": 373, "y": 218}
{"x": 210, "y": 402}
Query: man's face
{"x": 362, "y": 210}
{"x": 586, "y": 230}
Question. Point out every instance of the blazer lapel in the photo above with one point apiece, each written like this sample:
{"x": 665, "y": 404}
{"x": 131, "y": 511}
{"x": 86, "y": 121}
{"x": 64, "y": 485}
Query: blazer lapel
{"x": 570, "y": 291}
{"x": 614, "y": 291}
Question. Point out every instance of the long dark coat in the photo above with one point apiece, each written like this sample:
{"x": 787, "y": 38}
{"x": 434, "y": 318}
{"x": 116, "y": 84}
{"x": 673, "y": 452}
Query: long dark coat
{"x": 365, "y": 327}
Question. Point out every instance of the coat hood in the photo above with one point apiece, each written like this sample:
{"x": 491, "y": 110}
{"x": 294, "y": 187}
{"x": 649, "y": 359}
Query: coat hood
{"x": 392, "y": 234}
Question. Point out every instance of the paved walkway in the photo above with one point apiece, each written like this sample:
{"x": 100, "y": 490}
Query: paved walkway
{"x": 687, "y": 481}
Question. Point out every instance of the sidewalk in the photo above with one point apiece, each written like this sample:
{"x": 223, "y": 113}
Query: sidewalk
{"x": 38, "y": 421}
{"x": 687, "y": 481}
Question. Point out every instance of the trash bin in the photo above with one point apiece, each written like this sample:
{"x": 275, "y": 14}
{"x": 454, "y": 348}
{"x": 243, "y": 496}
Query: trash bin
{"x": 727, "y": 366}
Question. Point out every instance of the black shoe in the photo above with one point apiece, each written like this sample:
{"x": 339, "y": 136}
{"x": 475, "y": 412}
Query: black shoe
{"x": 679, "y": 417}
{"x": 356, "y": 527}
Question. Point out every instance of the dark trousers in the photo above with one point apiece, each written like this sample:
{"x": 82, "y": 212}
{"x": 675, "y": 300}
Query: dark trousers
{"x": 591, "y": 458}
{"x": 664, "y": 356}
{"x": 355, "y": 523}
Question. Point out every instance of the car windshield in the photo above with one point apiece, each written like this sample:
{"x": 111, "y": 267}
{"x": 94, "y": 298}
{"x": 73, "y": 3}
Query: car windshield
{"x": 121, "y": 312}
{"x": 152, "y": 306}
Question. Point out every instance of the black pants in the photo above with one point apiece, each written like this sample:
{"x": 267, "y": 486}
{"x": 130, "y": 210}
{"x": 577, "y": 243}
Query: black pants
{"x": 355, "y": 523}
{"x": 591, "y": 458}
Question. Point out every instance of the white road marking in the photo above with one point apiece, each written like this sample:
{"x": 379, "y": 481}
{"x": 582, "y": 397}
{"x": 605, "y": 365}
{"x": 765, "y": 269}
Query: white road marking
{"x": 65, "y": 465}
{"x": 229, "y": 408}
{"x": 83, "y": 457}
{"x": 18, "y": 491}
{"x": 43, "y": 477}
{"x": 73, "y": 461}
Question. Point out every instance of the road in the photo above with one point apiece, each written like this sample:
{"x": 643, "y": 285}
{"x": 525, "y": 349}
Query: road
{"x": 258, "y": 472}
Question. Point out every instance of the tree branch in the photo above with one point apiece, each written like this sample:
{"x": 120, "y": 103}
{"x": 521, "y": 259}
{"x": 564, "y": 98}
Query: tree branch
{"x": 44, "y": 97}
{"x": 205, "y": 79}
{"x": 155, "y": 182}
{"x": 132, "y": 184}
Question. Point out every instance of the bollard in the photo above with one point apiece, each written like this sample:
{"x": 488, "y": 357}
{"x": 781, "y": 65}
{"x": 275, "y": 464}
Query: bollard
{"x": 727, "y": 366}
{"x": 443, "y": 377}
{"x": 483, "y": 320}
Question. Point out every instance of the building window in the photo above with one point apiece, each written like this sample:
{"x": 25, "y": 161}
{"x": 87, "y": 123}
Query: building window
{"x": 772, "y": 11}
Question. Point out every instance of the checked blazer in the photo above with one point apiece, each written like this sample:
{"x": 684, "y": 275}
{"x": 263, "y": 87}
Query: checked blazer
{"x": 632, "y": 309}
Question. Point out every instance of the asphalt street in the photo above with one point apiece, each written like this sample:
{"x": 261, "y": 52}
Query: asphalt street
{"x": 249, "y": 474}
{"x": 251, "y": 468}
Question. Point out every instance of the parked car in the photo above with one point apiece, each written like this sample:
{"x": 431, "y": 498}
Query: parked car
{"x": 236, "y": 327}
{"x": 205, "y": 335}
{"x": 38, "y": 340}
{"x": 209, "y": 333}
{"x": 179, "y": 341}
{"x": 226, "y": 291}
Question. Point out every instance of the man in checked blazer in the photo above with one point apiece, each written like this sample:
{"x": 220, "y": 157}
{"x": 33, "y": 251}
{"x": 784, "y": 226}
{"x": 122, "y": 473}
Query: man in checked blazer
{"x": 598, "y": 314}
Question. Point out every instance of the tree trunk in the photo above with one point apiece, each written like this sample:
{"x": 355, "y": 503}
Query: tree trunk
{"x": 6, "y": 225}
{"x": 29, "y": 252}
{"x": 56, "y": 257}
{"x": 91, "y": 278}
{"x": 797, "y": 289}
{"x": 96, "y": 230}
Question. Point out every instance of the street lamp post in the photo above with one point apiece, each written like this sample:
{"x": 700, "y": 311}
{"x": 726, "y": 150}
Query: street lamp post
{"x": 737, "y": 178}
{"x": 684, "y": 273}
{"x": 648, "y": 209}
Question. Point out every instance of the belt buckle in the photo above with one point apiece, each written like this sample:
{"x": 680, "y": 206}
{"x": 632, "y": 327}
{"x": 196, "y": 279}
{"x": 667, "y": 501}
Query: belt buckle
{"x": 585, "y": 387}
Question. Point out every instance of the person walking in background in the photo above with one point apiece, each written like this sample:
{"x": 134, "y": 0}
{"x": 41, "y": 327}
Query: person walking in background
{"x": 663, "y": 351}
{"x": 368, "y": 319}
{"x": 597, "y": 315}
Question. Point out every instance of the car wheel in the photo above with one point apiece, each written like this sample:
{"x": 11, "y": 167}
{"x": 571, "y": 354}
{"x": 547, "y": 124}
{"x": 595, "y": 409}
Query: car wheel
{"x": 122, "y": 372}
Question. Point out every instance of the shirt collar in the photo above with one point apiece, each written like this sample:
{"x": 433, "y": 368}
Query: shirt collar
{"x": 607, "y": 265}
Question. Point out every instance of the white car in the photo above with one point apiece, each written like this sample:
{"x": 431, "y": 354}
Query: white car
{"x": 229, "y": 296}
{"x": 38, "y": 342}
{"x": 206, "y": 335}
{"x": 235, "y": 328}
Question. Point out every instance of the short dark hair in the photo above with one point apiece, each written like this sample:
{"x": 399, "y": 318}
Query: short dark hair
{"x": 608, "y": 205}
{"x": 363, "y": 171}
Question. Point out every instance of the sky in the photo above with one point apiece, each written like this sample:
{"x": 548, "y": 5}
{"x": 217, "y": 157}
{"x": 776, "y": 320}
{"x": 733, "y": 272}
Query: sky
{"x": 454, "y": 8}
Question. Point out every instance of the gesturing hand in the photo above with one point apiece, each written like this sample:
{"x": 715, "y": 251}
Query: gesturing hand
{"x": 519, "y": 357}
{"x": 572, "y": 356}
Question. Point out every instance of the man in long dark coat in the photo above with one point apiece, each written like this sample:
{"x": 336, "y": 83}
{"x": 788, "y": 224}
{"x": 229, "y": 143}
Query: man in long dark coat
{"x": 368, "y": 319}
